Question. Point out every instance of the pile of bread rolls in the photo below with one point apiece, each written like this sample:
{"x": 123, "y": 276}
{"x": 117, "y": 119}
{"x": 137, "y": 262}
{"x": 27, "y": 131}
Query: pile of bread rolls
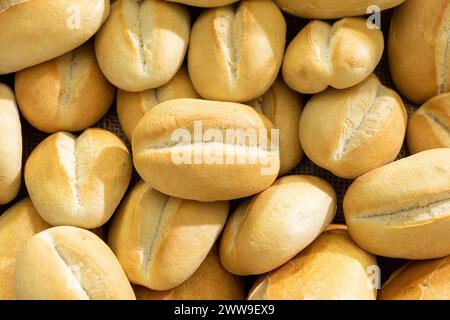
{"x": 90, "y": 214}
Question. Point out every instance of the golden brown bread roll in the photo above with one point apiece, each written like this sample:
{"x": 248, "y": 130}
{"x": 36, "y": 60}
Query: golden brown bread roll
{"x": 419, "y": 280}
{"x": 143, "y": 43}
{"x": 210, "y": 282}
{"x": 401, "y": 210}
{"x": 78, "y": 181}
{"x": 277, "y": 224}
{"x": 69, "y": 263}
{"x": 333, "y": 267}
{"x": 17, "y": 224}
{"x": 40, "y": 30}
{"x": 339, "y": 55}
{"x": 10, "y": 145}
{"x": 131, "y": 106}
{"x": 68, "y": 93}
{"x": 205, "y": 3}
{"x": 206, "y": 150}
{"x": 235, "y": 53}
{"x": 350, "y": 132}
{"x": 160, "y": 240}
{"x": 429, "y": 127}
{"x": 418, "y": 49}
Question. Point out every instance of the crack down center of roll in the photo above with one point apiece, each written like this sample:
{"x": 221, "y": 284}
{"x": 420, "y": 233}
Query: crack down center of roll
{"x": 440, "y": 123}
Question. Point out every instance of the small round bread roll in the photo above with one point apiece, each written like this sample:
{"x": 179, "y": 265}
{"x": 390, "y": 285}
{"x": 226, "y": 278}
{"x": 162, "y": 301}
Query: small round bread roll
{"x": 40, "y": 30}
{"x": 10, "y": 145}
{"x": 333, "y": 9}
{"x": 277, "y": 224}
{"x": 17, "y": 224}
{"x": 402, "y": 210}
{"x": 160, "y": 240}
{"x": 69, "y": 263}
{"x": 429, "y": 127}
{"x": 68, "y": 93}
{"x": 205, "y": 3}
{"x": 131, "y": 106}
{"x": 333, "y": 267}
{"x": 210, "y": 282}
{"x": 206, "y": 150}
{"x": 350, "y": 132}
{"x": 418, "y": 49}
{"x": 143, "y": 43}
{"x": 419, "y": 280}
{"x": 283, "y": 107}
{"x": 235, "y": 53}
{"x": 78, "y": 181}
{"x": 339, "y": 55}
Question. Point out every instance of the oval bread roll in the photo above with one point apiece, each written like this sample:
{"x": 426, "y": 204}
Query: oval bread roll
{"x": 333, "y": 267}
{"x": 143, "y": 43}
{"x": 68, "y": 93}
{"x": 160, "y": 240}
{"x": 78, "y": 181}
{"x": 402, "y": 210}
{"x": 10, "y": 145}
{"x": 205, "y": 3}
{"x": 277, "y": 224}
{"x": 69, "y": 263}
{"x": 350, "y": 132}
{"x": 235, "y": 53}
{"x": 40, "y": 30}
{"x": 205, "y": 150}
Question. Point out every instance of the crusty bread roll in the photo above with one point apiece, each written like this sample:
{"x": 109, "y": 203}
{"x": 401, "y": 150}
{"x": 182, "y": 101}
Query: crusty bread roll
{"x": 401, "y": 210}
{"x": 350, "y": 132}
{"x": 283, "y": 107}
{"x": 206, "y": 150}
{"x": 78, "y": 181}
{"x": 205, "y": 3}
{"x": 210, "y": 282}
{"x": 68, "y": 93}
{"x": 429, "y": 127}
{"x": 419, "y": 280}
{"x": 160, "y": 240}
{"x": 418, "y": 48}
{"x": 332, "y": 9}
{"x": 277, "y": 224}
{"x": 131, "y": 106}
{"x": 10, "y": 145}
{"x": 339, "y": 55}
{"x": 143, "y": 43}
{"x": 39, "y": 30}
{"x": 17, "y": 224}
{"x": 69, "y": 263}
{"x": 235, "y": 53}
{"x": 333, "y": 267}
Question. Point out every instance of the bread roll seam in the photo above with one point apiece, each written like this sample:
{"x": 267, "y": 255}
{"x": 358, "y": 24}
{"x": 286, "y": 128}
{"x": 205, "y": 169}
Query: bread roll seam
{"x": 431, "y": 116}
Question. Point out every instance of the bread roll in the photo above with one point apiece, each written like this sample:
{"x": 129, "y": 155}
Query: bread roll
{"x": 283, "y": 107}
{"x": 419, "y": 280}
{"x": 206, "y": 150}
{"x": 333, "y": 9}
{"x": 333, "y": 267}
{"x": 339, "y": 55}
{"x": 277, "y": 224}
{"x": 159, "y": 240}
{"x": 401, "y": 210}
{"x": 205, "y": 3}
{"x": 78, "y": 181}
{"x": 17, "y": 224}
{"x": 418, "y": 49}
{"x": 131, "y": 106}
{"x": 210, "y": 282}
{"x": 68, "y": 93}
{"x": 40, "y": 30}
{"x": 10, "y": 145}
{"x": 69, "y": 263}
{"x": 143, "y": 43}
{"x": 350, "y": 132}
{"x": 236, "y": 52}
{"x": 429, "y": 127}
